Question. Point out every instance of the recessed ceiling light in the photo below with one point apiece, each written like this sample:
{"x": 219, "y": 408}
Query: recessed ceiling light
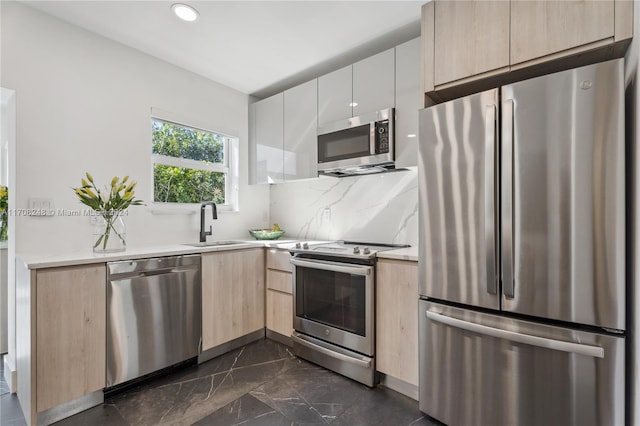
{"x": 353, "y": 104}
{"x": 411, "y": 135}
{"x": 185, "y": 12}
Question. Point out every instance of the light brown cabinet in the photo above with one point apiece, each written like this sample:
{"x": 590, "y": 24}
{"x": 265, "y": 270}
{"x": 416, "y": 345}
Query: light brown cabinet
{"x": 232, "y": 295}
{"x": 397, "y": 320}
{"x": 471, "y": 40}
{"x": 61, "y": 335}
{"x": 279, "y": 295}
{"x": 470, "y": 37}
{"x": 70, "y": 333}
{"x": 540, "y": 28}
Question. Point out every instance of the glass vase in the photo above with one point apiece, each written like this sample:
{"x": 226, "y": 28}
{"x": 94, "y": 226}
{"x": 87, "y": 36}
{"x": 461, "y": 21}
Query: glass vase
{"x": 109, "y": 234}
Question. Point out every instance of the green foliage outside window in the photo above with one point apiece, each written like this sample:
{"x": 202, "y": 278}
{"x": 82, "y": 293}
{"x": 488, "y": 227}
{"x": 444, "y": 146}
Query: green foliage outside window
{"x": 182, "y": 184}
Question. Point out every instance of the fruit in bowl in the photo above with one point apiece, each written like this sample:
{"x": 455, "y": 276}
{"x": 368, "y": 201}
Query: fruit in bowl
{"x": 267, "y": 234}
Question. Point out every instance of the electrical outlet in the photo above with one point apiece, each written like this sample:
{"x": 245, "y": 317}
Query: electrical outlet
{"x": 326, "y": 214}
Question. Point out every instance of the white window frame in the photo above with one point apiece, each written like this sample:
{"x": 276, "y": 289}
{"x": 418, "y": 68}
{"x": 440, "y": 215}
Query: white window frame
{"x": 229, "y": 167}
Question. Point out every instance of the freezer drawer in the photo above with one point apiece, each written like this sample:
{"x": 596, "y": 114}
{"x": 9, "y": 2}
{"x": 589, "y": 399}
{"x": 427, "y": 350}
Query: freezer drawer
{"x": 482, "y": 369}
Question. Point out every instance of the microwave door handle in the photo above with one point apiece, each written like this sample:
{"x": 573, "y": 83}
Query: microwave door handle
{"x": 372, "y": 138}
{"x": 333, "y": 267}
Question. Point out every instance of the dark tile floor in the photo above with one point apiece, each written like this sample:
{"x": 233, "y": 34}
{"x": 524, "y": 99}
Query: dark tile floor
{"x": 10, "y": 412}
{"x": 259, "y": 384}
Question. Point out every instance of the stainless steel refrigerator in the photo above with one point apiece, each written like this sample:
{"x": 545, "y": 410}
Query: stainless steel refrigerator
{"x": 522, "y": 253}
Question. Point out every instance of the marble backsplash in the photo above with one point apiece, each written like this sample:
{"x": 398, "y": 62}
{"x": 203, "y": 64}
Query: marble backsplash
{"x": 373, "y": 208}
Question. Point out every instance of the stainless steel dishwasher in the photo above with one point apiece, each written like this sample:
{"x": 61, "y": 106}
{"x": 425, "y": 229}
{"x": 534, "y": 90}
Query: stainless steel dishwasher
{"x": 154, "y": 317}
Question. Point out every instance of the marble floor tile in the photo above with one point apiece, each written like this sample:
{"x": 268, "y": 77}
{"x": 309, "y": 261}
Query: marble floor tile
{"x": 188, "y": 400}
{"x": 260, "y": 384}
{"x": 10, "y": 411}
{"x": 103, "y": 415}
{"x": 245, "y": 410}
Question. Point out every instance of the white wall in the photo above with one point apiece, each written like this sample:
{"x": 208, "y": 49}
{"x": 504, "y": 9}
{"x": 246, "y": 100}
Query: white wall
{"x": 374, "y": 208}
{"x": 84, "y": 105}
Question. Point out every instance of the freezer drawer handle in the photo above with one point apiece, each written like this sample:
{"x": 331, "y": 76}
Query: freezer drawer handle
{"x": 558, "y": 345}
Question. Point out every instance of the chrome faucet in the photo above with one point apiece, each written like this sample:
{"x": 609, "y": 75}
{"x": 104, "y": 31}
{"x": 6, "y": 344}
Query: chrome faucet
{"x": 214, "y": 210}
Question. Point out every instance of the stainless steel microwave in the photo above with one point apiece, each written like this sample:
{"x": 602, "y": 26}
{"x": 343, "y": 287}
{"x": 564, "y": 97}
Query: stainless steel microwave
{"x": 358, "y": 145}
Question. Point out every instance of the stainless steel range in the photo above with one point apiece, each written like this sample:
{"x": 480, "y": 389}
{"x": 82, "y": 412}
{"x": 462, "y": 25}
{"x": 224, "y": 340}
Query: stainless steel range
{"x": 334, "y": 306}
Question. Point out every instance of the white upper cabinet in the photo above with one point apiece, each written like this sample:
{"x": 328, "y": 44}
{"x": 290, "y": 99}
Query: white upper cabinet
{"x": 366, "y": 86}
{"x": 373, "y": 83}
{"x": 334, "y": 96}
{"x": 408, "y": 102}
{"x": 283, "y": 128}
{"x": 268, "y": 139}
{"x": 300, "y": 129}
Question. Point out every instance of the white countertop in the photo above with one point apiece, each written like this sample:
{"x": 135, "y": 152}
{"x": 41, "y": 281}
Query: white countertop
{"x": 87, "y": 256}
{"x": 409, "y": 253}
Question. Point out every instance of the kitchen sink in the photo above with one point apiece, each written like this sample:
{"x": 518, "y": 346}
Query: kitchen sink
{"x": 214, "y": 243}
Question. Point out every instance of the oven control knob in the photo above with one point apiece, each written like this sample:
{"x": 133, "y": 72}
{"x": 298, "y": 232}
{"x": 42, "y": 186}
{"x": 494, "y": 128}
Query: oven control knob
{"x": 356, "y": 250}
{"x": 298, "y": 245}
{"x": 305, "y": 246}
{"x": 366, "y": 251}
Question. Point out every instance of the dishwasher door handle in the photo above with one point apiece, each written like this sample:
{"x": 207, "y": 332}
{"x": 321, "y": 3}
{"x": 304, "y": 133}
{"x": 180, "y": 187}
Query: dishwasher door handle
{"x": 151, "y": 272}
{"x": 175, "y": 270}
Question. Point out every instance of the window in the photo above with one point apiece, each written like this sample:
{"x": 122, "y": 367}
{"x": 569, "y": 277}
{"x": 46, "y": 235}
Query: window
{"x": 192, "y": 165}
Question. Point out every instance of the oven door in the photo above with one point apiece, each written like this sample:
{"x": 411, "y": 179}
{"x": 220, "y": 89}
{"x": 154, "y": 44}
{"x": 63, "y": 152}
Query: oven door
{"x": 334, "y": 302}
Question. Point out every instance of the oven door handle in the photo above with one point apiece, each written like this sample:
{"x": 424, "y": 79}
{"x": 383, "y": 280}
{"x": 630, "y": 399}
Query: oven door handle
{"x": 364, "y": 362}
{"x": 332, "y": 266}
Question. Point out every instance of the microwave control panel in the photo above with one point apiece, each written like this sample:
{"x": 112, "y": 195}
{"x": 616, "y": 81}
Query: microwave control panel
{"x": 382, "y": 137}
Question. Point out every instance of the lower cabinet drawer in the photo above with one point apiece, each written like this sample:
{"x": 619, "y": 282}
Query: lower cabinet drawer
{"x": 279, "y": 259}
{"x": 281, "y": 281}
{"x": 280, "y": 312}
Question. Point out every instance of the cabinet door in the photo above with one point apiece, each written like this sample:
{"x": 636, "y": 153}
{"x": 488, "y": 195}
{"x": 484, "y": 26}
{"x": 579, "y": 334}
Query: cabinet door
{"x": 471, "y": 37}
{"x": 373, "y": 83}
{"x": 300, "y": 131}
{"x": 540, "y": 28}
{"x": 71, "y": 333}
{"x": 280, "y": 312}
{"x": 269, "y": 139}
{"x": 232, "y": 295}
{"x": 397, "y": 319}
{"x": 408, "y": 102}
{"x": 334, "y": 96}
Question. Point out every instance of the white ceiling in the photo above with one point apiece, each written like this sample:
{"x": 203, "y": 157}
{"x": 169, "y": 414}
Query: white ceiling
{"x": 256, "y": 47}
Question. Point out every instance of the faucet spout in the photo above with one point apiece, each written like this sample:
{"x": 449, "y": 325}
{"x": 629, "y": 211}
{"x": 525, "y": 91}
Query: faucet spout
{"x": 214, "y": 214}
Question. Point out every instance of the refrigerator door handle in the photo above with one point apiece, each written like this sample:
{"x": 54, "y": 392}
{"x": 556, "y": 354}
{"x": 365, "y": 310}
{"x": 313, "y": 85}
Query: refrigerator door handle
{"x": 489, "y": 194}
{"x": 508, "y": 278}
{"x": 542, "y": 342}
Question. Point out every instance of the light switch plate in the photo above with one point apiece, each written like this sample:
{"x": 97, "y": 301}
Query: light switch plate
{"x": 41, "y": 207}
